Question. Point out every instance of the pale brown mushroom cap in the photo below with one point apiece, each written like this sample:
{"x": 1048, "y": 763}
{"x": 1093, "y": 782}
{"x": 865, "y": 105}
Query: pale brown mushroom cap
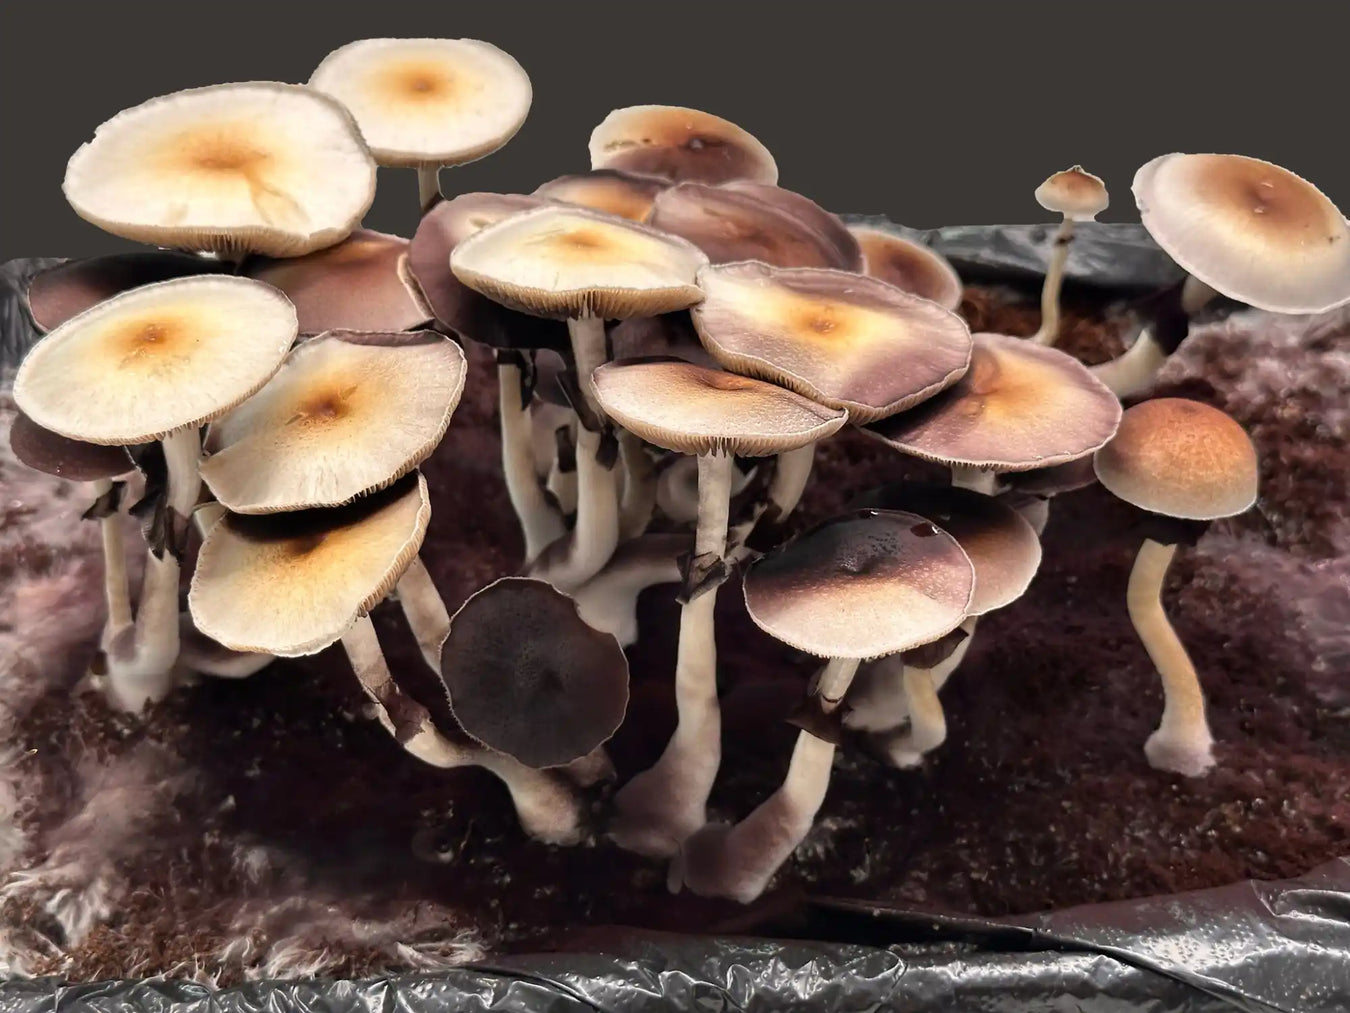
{"x": 1251, "y": 230}
{"x": 863, "y": 585}
{"x": 679, "y": 144}
{"x": 428, "y": 101}
{"x": 54, "y": 454}
{"x": 909, "y": 266}
{"x": 156, "y": 359}
{"x": 1074, "y": 193}
{"x": 1182, "y": 459}
{"x": 1054, "y": 480}
{"x": 359, "y": 284}
{"x": 262, "y": 167}
{"x": 1019, "y": 406}
{"x": 843, "y": 339}
{"x": 348, "y": 412}
{"x": 670, "y": 335}
{"x": 291, "y": 584}
{"x": 566, "y": 262}
{"x": 623, "y": 194}
{"x": 67, "y": 290}
{"x": 693, "y": 410}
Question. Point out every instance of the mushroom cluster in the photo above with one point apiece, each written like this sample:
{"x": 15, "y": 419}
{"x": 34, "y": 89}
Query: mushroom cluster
{"x": 674, "y": 336}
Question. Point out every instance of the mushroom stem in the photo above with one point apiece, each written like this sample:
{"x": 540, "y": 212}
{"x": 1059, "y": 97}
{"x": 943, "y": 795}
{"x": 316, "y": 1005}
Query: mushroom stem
{"x": 116, "y": 587}
{"x": 588, "y": 354}
{"x": 639, "y": 487}
{"x": 594, "y": 767}
{"x": 1048, "y": 332}
{"x": 425, "y": 610}
{"x": 791, "y": 474}
{"x": 666, "y": 803}
{"x": 608, "y": 601}
{"x": 562, "y": 484}
{"x": 1131, "y": 373}
{"x": 881, "y": 700}
{"x": 576, "y": 557}
{"x": 983, "y": 480}
{"x": 1182, "y": 741}
{"x": 927, "y": 722}
{"x": 539, "y": 522}
{"x": 428, "y": 185}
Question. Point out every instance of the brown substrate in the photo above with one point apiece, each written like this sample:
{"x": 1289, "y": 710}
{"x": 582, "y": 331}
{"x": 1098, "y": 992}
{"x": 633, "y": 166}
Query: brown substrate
{"x": 273, "y": 798}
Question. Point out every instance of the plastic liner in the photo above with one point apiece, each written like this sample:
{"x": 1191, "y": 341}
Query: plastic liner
{"x": 1281, "y": 947}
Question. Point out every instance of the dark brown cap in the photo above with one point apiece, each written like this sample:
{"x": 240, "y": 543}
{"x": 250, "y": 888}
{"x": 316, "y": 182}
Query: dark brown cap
{"x": 49, "y": 452}
{"x": 67, "y": 290}
{"x": 679, "y": 144}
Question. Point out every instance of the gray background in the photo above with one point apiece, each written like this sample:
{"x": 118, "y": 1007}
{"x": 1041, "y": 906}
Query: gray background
{"x": 930, "y": 112}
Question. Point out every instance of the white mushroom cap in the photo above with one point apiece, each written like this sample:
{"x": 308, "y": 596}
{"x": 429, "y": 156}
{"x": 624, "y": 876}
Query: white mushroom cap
{"x": 1074, "y": 193}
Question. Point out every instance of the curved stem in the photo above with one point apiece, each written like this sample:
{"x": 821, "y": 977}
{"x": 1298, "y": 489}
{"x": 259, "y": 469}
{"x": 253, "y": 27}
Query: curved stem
{"x": 791, "y": 475}
{"x": 1048, "y": 332}
{"x": 425, "y": 610}
{"x": 116, "y": 587}
{"x": 539, "y": 522}
{"x": 1131, "y": 373}
{"x": 578, "y": 556}
{"x": 639, "y": 487}
{"x": 608, "y": 601}
{"x": 428, "y": 186}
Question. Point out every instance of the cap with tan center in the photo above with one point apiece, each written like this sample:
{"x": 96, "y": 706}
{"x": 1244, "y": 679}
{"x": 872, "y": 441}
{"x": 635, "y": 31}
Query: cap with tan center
{"x": 1182, "y": 459}
{"x": 843, "y": 339}
{"x": 909, "y": 266}
{"x": 625, "y": 194}
{"x": 1019, "y": 406}
{"x": 1074, "y": 193}
{"x": 1001, "y": 545}
{"x": 566, "y": 262}
{"x": 679, "y": 144}
{"x": 428, "y": 101}
{"x": 694, "y": 410}
{"x": 359, "y": 284}
{"x": 752, "y": 221}
{"x": 347, "y": 413}
{"x": 228, "y": 169}
{"x": 156, "y": 359}
{"x": 291, "y": 584}
{"x": 863, "y": 585}
{"x": 1251, "y": 230}
{"x": 529, "y": 678}
{"x": 49, "y": 452}
{"x": 66, "y": 290}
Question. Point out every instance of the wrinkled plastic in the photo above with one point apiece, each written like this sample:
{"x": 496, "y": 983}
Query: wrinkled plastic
{"x": 17, "y": 332}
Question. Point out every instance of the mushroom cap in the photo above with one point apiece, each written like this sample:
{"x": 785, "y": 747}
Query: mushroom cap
{"x": 667, "y": 336}
{"x": 528, "y": 677}
{"x": 694, "y": 410}
{"x": 359, "y": 284}
{"x": 49, "y": 452}
{"x": 863, "y": 585}
{"x": 679, "y": 144}
{"x": 909, "y": 266}
{"x": 562, "y": 261}
{"x": 291, "y": 584}
{"x": 348, "y": 412}
{"x": 1074, "y": 193}
{"x": 1251, "y": 230}
{"x": 843, "y": 339}
{"x": 755, "y": 221}
{"x": 1180, "y": 458}
{"x": 1001, "y": 545}
{"x": 156, "y": 359}
{"x": 1020, "y": 406}
{"x": 228, "y": 169}
{"x": 623, "y": 194}
{"x": 67, "y": 290}
{"x": 428, "y": 101}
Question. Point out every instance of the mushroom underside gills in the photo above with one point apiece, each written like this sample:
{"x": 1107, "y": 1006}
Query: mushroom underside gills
{"x": 1048, "y": 332}
{"x": 1131, "y": 374}
{"x": 540, "y": 523}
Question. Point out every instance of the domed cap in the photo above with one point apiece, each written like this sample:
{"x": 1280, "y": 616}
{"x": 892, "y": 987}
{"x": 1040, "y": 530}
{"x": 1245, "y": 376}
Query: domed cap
{"x": 1001, "y": 545}
{"x": 1249, "y": 229}
{"x": 51, "y": 453}
{"x": 679, "y": 144}
{"x": 67, "y": 290}
{"x": 348, "y": 412}
{"x": 428, "y": 101}
{"x": 1181, "y": 459}
{"x": 1019, "y": 406}
{"x": 863, "y": 585}
{"x": 845, "y": 340}
{"x": 693, "y": 410}
{"x": 156, "y": 359}
{"x": 623, "y": 194}
{"x": 529, "y": 678}
{"x": 560, "y": 261}
{"x": 262, "y": 167}
{"x": 909, "y": 266}
{"x": 291, "y": 584}
{"x": 1074, "y": 193}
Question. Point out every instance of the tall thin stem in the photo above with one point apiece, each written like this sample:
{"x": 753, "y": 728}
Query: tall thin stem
{"x": 428, "y": 186}
{"x": 540, "y": 523}
{"x": 1048, "y": 332}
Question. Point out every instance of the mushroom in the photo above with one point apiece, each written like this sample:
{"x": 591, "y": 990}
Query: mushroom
{"x": 693, "y": 410}
{"x": 1030, "y": 492}
{"x": 625, "y": 194}
{"x": 262, "y": 167}
{"x": 1242, "y": 228}
{"x": 585, "y": 267}
{"x": 157, "y": 363}
{"x": 864, "y": 585}
{"x": 1080, "y": 197}
{"x": 608, "y": 601}
{"x": 679, "y": 144}
{"x": 425, "y": 103}
{"x": 1184, "y": 460}
{"x": 909, "y": 266}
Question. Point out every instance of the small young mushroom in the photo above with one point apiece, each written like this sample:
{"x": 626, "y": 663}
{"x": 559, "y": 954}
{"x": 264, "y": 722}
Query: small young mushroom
{"x": 66, "y": 290}
{"x": 909, "y": 266}
{"x": 692, "y": 410}
{"x": 679, "y": 144}
{"x": 624, "y": 194}
{"x": 230, "y": 169}
{"x": 157, "y": 363}
{"x": 860, "y": 586}
{"x": 1186, "y": 461}
{"x": 1080, "y": 197}
{"x": 425, "y": 103}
